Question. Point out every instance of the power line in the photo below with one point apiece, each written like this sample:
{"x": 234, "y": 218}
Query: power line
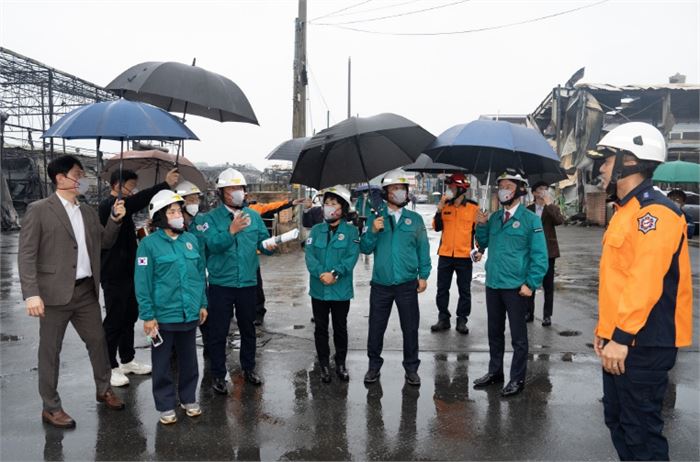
{"x": 406, "y": 13}
{"x": 341, "y": 10}
{"x": 469, "y": 31}
{"x": 377, "y": 8}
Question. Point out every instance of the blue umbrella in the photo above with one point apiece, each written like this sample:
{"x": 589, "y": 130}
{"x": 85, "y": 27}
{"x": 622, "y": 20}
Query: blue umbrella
{"x": 120, "y": 120}
{"x": 485, "y": 146}
{"x": 288, "y": 150}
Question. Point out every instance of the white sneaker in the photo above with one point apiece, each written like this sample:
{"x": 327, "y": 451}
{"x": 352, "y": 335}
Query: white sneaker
{"x": 118, "y": 378}
{"x": 168, "y": 417}
{"x": 135, "y": 368}
{"x": 192, "y": 409}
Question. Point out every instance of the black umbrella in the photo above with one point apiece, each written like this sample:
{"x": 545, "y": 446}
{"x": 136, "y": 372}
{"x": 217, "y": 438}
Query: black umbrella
{"x": 177, "y": 87}
{"x": 425, "y": 164}
{"x": 358, "y": 149}
{"x": 288, "y": 150}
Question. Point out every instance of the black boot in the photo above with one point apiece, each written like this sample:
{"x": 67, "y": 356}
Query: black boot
{"x": 442, "y": 324}
{"x": 462, "y": 326}
{"x": 325, "y": 374}
{"x": 342, "y": 372}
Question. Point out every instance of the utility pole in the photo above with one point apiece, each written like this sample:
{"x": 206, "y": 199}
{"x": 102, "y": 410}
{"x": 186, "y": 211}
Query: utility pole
{"x": 300, "y": 77}
{"x": 349, "y": 83}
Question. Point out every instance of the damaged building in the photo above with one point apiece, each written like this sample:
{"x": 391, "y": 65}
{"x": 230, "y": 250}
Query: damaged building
{"x": 574, "y": 117}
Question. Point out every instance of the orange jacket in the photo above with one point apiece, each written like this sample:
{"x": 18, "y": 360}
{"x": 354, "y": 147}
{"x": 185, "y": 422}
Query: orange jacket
{"x": 457, "y": 226}
{"x": 645, "y": 294}
{"x": 270, "y": 207}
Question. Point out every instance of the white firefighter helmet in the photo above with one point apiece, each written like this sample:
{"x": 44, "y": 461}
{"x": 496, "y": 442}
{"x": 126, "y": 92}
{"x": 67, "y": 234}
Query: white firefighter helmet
{"x": 397, "y": 176}
{"x": 186, "y": 188}
{"x": 230, "y": 177}
{"x": 161, "y": 200}
{"x": 513, "y": 175}
{"x": 342, "y": 192}
{"x": 641, "y": 139}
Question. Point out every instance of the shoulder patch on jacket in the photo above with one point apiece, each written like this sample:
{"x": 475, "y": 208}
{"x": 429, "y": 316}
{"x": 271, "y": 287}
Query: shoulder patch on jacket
{"x": 142, "y": 261}
{"x": 647, "y": 223}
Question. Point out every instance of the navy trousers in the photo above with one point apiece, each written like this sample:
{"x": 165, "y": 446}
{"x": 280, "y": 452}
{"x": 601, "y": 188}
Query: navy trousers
{"x": 632, "y": 403}
{"x": 548, "y": 287}
{"x": 183, "y": 343}
{"x": 500, "y": 302}
{"x": 381, "y": 300}
{"x": 221, "y": 304}
{"x": 446, "y": 267}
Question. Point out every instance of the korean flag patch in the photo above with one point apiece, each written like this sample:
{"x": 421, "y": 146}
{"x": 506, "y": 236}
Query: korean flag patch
{"x": 142, "y": 261}
{"x": 647, "y": 223}
{"x": 309, "y": 241}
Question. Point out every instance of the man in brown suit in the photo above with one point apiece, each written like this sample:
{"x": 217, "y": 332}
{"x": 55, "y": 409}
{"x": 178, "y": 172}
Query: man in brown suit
{"x": 551, "y": 216}
{"x": 59, "y": 268}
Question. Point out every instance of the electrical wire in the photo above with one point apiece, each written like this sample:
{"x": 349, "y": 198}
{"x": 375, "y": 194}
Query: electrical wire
{"x": 341, "y": 10}
{"x": 469, "y": 31}
{"x": 397, "y": 15}
{"x": 377, "y": 8}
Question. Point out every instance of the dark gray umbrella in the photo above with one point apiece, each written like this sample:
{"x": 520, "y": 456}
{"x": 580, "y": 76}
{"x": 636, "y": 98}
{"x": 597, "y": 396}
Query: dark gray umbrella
{"x": 177, "y": 87}
{"x": 288, "y": 150}
{"x": 359, "y": 148}
{"x": 425, "y": 164}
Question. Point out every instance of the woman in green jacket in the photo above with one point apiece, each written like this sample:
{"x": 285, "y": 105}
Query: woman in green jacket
{"x": 170, "y": 290}
{"x": 332, "y": 250}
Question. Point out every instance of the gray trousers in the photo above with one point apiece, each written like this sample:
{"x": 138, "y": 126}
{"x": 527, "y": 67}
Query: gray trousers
{"x": 83, "y": 311}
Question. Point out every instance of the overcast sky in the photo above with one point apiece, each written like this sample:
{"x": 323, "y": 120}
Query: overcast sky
{"x": 436, "y": 80}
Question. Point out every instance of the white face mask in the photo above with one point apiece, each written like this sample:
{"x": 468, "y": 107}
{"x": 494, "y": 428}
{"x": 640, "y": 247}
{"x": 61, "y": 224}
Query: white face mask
{"x": 176, "y": 223}
{"x": 505, "y": 195}
{"x": 81, "y": 185}
{"x": 331, "y": 213}
{"x": 449, "y": 194}
{"x": 398, "y": 197}
{"x": 192, "y": 209}
{"x": 237, "y": 198}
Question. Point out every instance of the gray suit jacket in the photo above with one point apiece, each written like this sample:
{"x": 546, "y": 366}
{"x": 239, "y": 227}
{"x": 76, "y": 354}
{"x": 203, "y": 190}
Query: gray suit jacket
{"x": 48, "y": 251}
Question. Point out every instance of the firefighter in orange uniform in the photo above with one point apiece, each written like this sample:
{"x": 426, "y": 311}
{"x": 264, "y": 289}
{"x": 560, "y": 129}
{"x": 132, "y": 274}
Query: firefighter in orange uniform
{"x": 645, "y": 294}
{"x": 455, "y": 217}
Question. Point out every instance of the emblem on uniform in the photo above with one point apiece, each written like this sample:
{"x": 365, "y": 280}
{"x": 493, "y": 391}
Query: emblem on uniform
{"x": 189, "y": 246}
{"x": 516, "y": 224}
{"x": 647, "y": 223}
{"x": 143, "y": 261}
{"x": 364, "y": 230}
{"x": 309, "y": 241}
{"x": 199, "y": 228}
{"x": 341, "y": 237}
{"x": 407, "y": 221}
{"x": 203, "y": 227}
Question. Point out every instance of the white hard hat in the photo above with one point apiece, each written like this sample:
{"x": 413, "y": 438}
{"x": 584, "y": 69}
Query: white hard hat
{"x": 512, "y": 175}
{"x": 187, "y": 188}
{"x": 230, "y": 177}
{"x": 641, "y": 139}
{"x": 161, "y": 200}
{"x": 398, "y": 176}
{"x": 342, "y": 192}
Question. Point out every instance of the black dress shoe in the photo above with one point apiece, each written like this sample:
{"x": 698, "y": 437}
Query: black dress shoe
{"x": 547, "y": 321}
{"x": 218, "y": 384}
{"x": 252, "y": 378}
{"x": 442, "y": 324}
{"x": 529, "y": 317}
{"x": 462, "y": 326}
{"x": 259, "y": 320}
{"x": 513, "y": 388}
{"x": 412, "y": 378}
{"x": 342, "y": 373}
{"x": 488, "y": 379}
{"x": 325, "y": 374}
{"x": 372, "y": 376}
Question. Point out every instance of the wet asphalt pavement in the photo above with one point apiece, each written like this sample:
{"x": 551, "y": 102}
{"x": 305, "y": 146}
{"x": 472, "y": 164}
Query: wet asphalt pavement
{"x": 294, "y": 416}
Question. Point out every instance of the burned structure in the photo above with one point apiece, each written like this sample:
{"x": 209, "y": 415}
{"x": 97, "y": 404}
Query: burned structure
{"x": 574, "y": 117}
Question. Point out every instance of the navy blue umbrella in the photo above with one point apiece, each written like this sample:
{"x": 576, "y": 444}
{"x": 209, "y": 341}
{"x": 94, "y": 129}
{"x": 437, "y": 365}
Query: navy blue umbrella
{"x": 120, "y": 120}
{"x": 485, "y": 146}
